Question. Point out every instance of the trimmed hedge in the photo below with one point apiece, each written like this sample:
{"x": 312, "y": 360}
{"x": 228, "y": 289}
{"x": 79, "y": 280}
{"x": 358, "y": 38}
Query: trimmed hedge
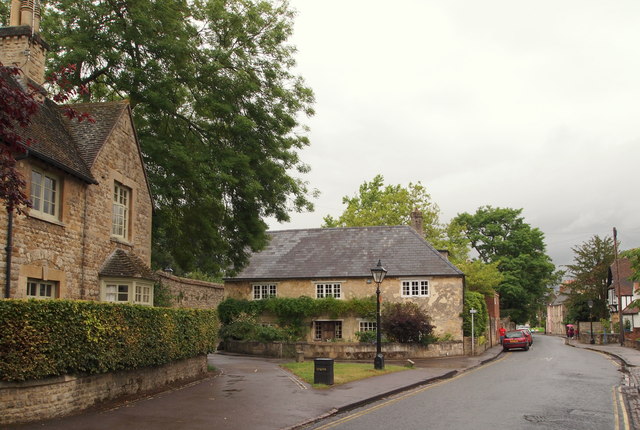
{"x": 43, "y": 338}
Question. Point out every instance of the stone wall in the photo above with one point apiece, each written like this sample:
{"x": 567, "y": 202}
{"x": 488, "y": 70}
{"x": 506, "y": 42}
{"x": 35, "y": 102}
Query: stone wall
{"x": 70, "y": 249}
{"x": 191, "y": 293}
{"x": 444, "y": 303}
{"x": 345, "y": 350}
{"x": 22, "y": 402}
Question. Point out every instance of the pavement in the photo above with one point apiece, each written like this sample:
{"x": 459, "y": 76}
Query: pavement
{"x": 256, "y": 393}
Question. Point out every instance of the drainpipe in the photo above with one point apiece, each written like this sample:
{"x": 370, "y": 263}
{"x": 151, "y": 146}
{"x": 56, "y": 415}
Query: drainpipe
{"x": 83, "y": 290}
{"x": 9, "y": 249}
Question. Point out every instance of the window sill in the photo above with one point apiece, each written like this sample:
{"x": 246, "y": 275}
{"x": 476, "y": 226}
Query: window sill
{"x": 121, "y": 241}
{"x": 50, "y": 220}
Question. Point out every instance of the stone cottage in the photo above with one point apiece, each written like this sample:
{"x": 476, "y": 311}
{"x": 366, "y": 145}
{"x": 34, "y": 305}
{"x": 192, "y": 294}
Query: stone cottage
{"x": 88, "y": 234}
{"x": 337, "y": 262}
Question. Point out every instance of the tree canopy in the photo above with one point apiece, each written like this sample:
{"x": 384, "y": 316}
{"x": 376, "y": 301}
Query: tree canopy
{"x": 217, "y": 110}
{"x": 501, "y": 236}
{"x": 380, "y": 204}
{"x": 589, "y": 272}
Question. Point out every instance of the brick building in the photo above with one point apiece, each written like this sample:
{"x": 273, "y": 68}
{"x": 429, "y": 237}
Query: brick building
{"x": 88, "y": 235}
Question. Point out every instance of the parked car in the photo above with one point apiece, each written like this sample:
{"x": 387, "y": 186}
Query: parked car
{"x": 515, "y": 339}
{"x": 527, "y": 334}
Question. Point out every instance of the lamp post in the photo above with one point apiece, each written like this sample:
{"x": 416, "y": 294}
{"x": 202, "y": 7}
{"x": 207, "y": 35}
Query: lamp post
{"x": 590, "y": 303}
{"x": 378, "y": 274}
{"x": 473, "y": 312}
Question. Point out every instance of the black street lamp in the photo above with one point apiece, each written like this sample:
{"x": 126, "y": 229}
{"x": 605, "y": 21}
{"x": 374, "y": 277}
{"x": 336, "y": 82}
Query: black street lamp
{"x": 378, "y": 274}
{"x": 590, "y": 303}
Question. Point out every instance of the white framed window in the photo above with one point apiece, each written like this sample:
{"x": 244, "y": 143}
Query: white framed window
{"x": 42, "y": 289}
{"x": 367, "y": 326}
{"x": 415, "y": 288}
{"x": 45, "y": 194}
{"x": 328, "y": 290}
{"x": 117, "y": 293}
{"x": 137, "y": 292}
{"x": 264, "y": 291}
{"x": 143, "y": 294}
{"x": 121, "y": 209}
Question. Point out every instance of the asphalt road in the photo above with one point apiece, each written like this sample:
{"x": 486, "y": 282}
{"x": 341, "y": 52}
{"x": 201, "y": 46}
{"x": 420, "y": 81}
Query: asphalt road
{"x": 551, "y": 386}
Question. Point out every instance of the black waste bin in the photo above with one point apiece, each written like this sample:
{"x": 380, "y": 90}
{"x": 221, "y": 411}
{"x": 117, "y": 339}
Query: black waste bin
{"x": 323, "y": 371}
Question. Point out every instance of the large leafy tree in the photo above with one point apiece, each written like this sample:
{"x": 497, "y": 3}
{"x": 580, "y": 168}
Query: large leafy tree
{"x": 589, "y": 271}
{"x": 217, "y": 109}
{"x": 380, "y": 204}
{"x": 501, "y": 236}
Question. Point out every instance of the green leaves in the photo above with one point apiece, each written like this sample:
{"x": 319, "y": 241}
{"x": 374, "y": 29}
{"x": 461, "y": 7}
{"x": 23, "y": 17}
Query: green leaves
{"x": 474, "y": 300}
{"x": 377, "y": 204}
{"x": 292, "y": 313}
{"x": 501, "y": 237}
{"x": 217, "y": 111}
{"x": 42, "y": 338}
{"x": 589, "y": 271}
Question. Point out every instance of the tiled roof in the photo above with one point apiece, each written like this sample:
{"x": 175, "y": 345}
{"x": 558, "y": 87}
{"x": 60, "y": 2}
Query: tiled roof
{"x": 625, "y": 271}
{"x": 90, "y": 136}
{"x": 68, "y": 144}
{"x": 53, "y": 142}
{"x": 345, "y": 253}
{"x": 560, "y": 299}
{"x": 125, "y": 264}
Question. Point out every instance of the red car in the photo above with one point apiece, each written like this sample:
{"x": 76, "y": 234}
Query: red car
{"x": 515, "y": 339}
{"x": 527, "y": 334}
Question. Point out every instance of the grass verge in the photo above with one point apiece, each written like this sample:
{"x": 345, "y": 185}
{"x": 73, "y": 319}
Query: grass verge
{"x": 342, "y": 372}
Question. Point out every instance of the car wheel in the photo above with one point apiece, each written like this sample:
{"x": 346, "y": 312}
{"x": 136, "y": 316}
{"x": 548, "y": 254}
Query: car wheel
{"x": 505, "y": 349}
{"x": 526, "y": 348}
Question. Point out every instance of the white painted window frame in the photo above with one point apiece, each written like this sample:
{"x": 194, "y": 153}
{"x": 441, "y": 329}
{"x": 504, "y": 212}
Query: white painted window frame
{"x": 46, "y": 205}
{"x": 328, "y": 289}
{"x": 264, "y": 290}
{"x": 415, "y": 288}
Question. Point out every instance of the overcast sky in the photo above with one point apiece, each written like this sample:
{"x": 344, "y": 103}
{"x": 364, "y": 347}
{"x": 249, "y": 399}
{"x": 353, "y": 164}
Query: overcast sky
{"x": 531, "y": 105}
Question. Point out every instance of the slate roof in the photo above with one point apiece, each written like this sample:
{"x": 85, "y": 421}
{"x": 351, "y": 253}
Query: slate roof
{"x": 126, "y": 265}
{"x": 560, "y": 299}
{"x": 345, "y": 253}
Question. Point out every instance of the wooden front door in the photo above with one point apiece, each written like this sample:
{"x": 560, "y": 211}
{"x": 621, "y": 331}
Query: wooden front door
{"x": 328, "y": 329}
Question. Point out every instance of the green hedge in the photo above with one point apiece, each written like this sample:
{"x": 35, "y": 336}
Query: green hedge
{"x": 475, "y": 300}
{"x": 42, "y": 338}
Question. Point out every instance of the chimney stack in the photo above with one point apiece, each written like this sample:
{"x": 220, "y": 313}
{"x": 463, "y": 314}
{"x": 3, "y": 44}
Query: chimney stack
{"x": 416, "y": 222}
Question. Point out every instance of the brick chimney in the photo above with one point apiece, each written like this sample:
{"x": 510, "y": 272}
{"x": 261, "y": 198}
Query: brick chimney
{"x": 21, "y": 44}
{"x": 416, "y": 222}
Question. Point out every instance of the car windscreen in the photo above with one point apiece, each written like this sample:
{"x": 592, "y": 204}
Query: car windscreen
{"x": 514, "y": 334}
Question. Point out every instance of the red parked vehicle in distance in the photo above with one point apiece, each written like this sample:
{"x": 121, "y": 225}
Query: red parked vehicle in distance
{"x": 527, "y": 334}
{"x": 515, "y": 339}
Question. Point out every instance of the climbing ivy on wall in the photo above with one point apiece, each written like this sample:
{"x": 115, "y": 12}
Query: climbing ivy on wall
{"x": 294, "y": 311}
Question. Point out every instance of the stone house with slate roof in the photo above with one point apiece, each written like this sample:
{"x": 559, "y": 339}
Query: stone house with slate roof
{"x": 88, "y": 235}
{"x": 337, "y": 262}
